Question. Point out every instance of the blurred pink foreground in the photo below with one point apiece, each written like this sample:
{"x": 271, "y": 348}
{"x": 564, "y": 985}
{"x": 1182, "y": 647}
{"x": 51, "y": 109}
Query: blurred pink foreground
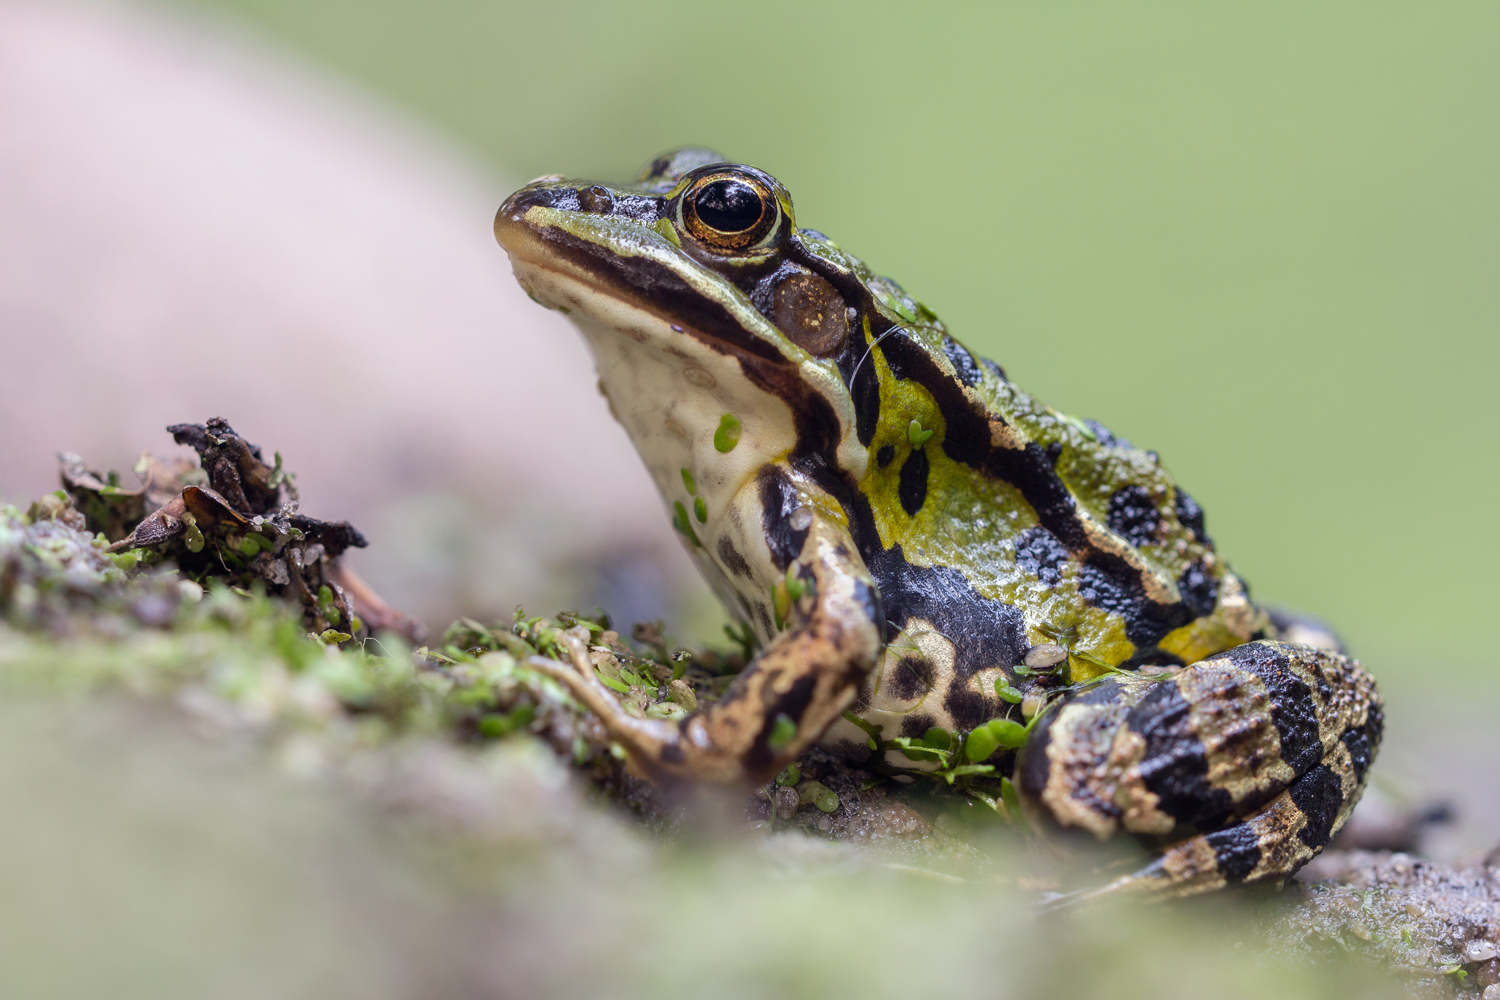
{"x": 191, "y": 227}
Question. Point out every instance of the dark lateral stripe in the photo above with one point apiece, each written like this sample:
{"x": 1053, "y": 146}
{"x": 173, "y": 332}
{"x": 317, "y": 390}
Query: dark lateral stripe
{"x": 1236, "y": 851}
{"x": 1293, "y": 711}
{"x": 1175, "y": 765}
{"x": 1319, "y": 793}
{"x": 655, "y": 288}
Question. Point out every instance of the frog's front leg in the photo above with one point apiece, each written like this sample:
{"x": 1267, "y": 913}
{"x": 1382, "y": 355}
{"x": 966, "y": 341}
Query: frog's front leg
{"x": 786, "y": 697}
{"x": 1245, "y": 764}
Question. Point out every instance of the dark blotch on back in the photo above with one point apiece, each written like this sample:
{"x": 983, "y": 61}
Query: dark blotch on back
{"x": 884, "y": 455}
{"x": 1364, "y": 741}
{"x": 1133, "y": 515}
{"x": 917, "y": 725}
{"x": 1199, "y": 589}
{"x": 964, "y": 365}
{"x": 912, "y": 486}
{"x": 1107, "y": 437}
{"x": 1039, "y": 553}
{"x": 910, "y": 678}
{"x": 1189, "y": 514}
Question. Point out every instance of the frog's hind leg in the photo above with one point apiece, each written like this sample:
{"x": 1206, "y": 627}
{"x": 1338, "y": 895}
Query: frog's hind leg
{"x": 1246, "y": 764}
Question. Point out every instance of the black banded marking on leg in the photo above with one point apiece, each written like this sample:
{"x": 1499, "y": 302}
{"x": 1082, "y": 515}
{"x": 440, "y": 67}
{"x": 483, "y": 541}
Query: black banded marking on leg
{"x": 778, "y": 499}
{"x": 1292, "y": 707}
{"x": 1364, "y": 741}
{"x": 1237, "y": 851}
{"x": 868, "y": 599}
{"x": 1320, "y": 795}
{"x": 912, "y": 486}
{"x": 792, "y": 704}
{"x": 1175, "y": 764}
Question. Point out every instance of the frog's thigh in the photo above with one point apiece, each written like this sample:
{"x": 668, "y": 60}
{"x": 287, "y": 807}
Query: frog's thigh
{"x": 1265, "y": 745}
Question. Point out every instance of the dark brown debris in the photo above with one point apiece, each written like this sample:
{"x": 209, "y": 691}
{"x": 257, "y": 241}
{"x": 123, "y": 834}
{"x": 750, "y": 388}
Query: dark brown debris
{"x": 235, "y": 518}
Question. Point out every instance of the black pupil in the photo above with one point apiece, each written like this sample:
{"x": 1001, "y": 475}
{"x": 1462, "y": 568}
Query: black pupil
{"x": 727, "y": 205}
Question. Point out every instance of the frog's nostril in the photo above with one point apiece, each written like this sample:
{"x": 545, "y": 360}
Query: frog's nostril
{"x": 596, "y": 199}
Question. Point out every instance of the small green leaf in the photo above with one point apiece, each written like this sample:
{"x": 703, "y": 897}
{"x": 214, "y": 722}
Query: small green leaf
{"x": 916, "y": 435}
{"x": 871, "y": 730}
{"x": 938, "y": 738}
{"x": 1006, "y": 692}
{"x": 333, "y": 636}
{"x": 681, "y": 523}
{"x": 783, "y": 730}
{"x": 700, "y": 510}
{"x": 614, "y": 685}
{"x": 728, "y": 434}
{"x": 916, "y": 750}
{"x": 781, "y": 602}
{"x": 194, "y": 537}
{"x": 688, "y": 483}
{"x": 819, "y": 794}
{"x": 980, "y": 744}
{"x": 790, "y": 776}
{"x": 794, "y": 586}
{"x": 1007, "y": 733}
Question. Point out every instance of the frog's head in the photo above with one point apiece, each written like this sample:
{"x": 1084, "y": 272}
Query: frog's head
{"x": 708, "y": 309}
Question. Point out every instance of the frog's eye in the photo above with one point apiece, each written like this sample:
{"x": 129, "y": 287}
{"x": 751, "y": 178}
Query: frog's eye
{"x": 730, "y": 210}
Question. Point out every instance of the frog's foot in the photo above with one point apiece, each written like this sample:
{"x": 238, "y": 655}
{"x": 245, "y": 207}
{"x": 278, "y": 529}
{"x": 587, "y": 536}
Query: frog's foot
{"x": 779, "y": 705}
{"x": 643, "y": 739}
{"x": 1246, "y": 763}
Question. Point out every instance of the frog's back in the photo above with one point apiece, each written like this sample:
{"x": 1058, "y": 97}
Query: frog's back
{"x": 1004, "y": 533}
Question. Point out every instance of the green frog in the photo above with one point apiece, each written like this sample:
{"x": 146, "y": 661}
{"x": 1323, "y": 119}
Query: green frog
{"x": 942, "y": 572}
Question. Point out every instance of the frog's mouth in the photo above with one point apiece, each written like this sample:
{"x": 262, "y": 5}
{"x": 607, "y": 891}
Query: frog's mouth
{"x": 623, "y": 256}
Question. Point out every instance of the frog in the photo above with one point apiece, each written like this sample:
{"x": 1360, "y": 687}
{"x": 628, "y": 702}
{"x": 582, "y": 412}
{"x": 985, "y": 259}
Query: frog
{"x": 935, "y": 566}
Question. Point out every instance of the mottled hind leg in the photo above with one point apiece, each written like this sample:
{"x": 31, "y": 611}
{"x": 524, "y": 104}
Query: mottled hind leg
{"x": 1245, "y": 764}
{"x": 782, "y": 702}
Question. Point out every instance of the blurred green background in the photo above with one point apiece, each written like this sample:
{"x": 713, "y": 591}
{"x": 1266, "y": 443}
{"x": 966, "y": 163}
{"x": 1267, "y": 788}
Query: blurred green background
{"x": 1261, "y": 239}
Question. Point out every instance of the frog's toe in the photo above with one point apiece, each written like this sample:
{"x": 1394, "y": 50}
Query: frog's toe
{"x": 1246, "y": 763}
{"x": 646, "y": 740}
